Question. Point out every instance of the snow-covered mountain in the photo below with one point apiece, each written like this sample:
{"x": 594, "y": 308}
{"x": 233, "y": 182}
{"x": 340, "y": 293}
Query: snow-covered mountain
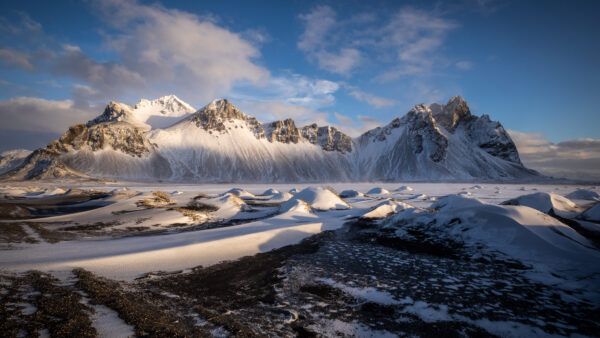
{"x": 11, "y": 159}
{"x": 165, "y": 139}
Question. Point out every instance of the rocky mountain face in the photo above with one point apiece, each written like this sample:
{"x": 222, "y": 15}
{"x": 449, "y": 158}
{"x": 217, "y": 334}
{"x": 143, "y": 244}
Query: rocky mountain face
{"x": 11, "y": 159}
{"x": 220, "y": 143}
{"x": 440, "y": 141}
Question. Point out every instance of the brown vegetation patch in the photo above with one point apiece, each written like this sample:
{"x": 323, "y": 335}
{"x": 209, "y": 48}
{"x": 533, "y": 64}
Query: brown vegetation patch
{"x": 157, "y": 199}
{"x": 58, "y": 308}
{"x": 14, "y": 233}
{"x": 135, "y": 308}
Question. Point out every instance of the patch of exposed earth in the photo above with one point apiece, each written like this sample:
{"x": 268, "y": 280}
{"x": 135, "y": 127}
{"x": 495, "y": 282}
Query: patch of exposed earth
{"x": 347, "y": 282}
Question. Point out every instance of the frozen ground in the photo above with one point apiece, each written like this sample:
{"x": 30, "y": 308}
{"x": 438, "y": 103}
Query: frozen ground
{"x": 283, "y": 260}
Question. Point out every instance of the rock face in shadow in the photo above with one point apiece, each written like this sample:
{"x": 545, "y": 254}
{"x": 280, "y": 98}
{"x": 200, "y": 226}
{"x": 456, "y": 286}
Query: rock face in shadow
{"x": 220, "y": 143}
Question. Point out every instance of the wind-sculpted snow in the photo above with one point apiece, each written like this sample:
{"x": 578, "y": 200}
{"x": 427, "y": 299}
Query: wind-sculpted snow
{"x": 220, "y": 143}
{"x": 583, "y": 194}
{"x": 593, "y": 213}
{"x": 517, "y": 232}
{"x": 547, "y": 203}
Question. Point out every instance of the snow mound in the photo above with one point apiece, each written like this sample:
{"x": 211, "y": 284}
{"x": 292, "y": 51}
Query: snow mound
{"x": 269, "y": 192}
{"x": 593, "y": 213}
{"x": 378, "y": 191}
{"x": 452, "y": 202}
{"x": 295, "y": 206}
{"x": 516, "y": 232}
{"x": 420, "y": 197}
{"x": 280, "y": 197}
{"x": 546, "y": 203}
{"x": 583, "y": 194}
{"x": 242, "y": 193}
{"x": 405, "y": 188}
{"x": 351, "y": 193}
{"x": 228, "y": 204}
{"x": 294, "y": 191}
{"x": 476, "y": 187}
{"x": 321, "y": 199}
{"x": 384, "y": 209}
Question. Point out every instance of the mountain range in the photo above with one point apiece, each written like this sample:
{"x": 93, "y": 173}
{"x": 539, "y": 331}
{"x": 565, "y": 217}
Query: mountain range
{"x": 167, "y": 139}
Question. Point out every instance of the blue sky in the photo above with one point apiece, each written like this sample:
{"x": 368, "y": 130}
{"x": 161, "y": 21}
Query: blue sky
{"x": 532, "y": 65}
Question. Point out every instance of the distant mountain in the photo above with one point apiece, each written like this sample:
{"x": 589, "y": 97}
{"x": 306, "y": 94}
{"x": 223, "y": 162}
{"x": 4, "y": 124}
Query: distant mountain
{"x": 165, "y": 139}
{"x": 11, "y": 159}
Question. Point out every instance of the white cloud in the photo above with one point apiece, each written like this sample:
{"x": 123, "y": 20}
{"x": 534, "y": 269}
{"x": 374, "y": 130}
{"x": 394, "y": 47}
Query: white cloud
{"x": 375, "y": 101}
{"x": 464, "y": 65}
{"x": 36, "y": 114}
{"x": 293, "y": 89}
{"x": 577, "y": 159}
{"x": 190, "y": 53}
{"x": 319, "y": 24}
{"x": 405, "y": 41}
{"x": 159, "y": 50}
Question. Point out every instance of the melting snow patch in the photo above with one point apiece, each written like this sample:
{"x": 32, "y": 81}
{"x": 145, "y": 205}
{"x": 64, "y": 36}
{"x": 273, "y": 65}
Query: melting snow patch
{"x": 367, "y": 293}
{"x": 429, "y": 313}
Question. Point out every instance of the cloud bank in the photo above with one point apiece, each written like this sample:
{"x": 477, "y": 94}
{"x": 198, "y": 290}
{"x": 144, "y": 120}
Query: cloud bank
{"x": 575, "y": 159}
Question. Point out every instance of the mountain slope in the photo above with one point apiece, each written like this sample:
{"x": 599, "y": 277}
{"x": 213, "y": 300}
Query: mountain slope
{"x": 11, "y": 159}
{"x": 220, "y": 143}
{"x": 441, "y": 142}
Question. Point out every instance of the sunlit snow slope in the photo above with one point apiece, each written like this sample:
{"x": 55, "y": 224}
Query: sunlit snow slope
{"x": 163, "y": 139}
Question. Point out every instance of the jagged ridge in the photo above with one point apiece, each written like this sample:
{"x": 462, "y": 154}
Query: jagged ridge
{"x": 221, "y": 143}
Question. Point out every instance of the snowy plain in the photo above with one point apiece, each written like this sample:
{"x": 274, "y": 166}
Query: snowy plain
{"x": 135, "y": 232}
{"x": 129, "y": 257}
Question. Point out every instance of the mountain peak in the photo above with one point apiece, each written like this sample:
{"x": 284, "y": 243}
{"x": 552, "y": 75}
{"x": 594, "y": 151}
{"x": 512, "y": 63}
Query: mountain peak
{"x": 220, "y": 111}
{"x": 114, "y": 111}
{"x": 170, "y": 102}
{"x": 450, "y": 114}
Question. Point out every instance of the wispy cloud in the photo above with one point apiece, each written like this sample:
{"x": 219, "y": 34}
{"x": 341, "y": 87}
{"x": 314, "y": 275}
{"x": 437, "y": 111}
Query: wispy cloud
{"x": 464, "y": 65}
{"x": 577, "y": 159}
{"x": 320, "y": 23}
{"x": 355, "y": 128}
{"x": 13, "y": 58}
{"x": 405, "y": 41}
{"x": 375, "y": 101}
